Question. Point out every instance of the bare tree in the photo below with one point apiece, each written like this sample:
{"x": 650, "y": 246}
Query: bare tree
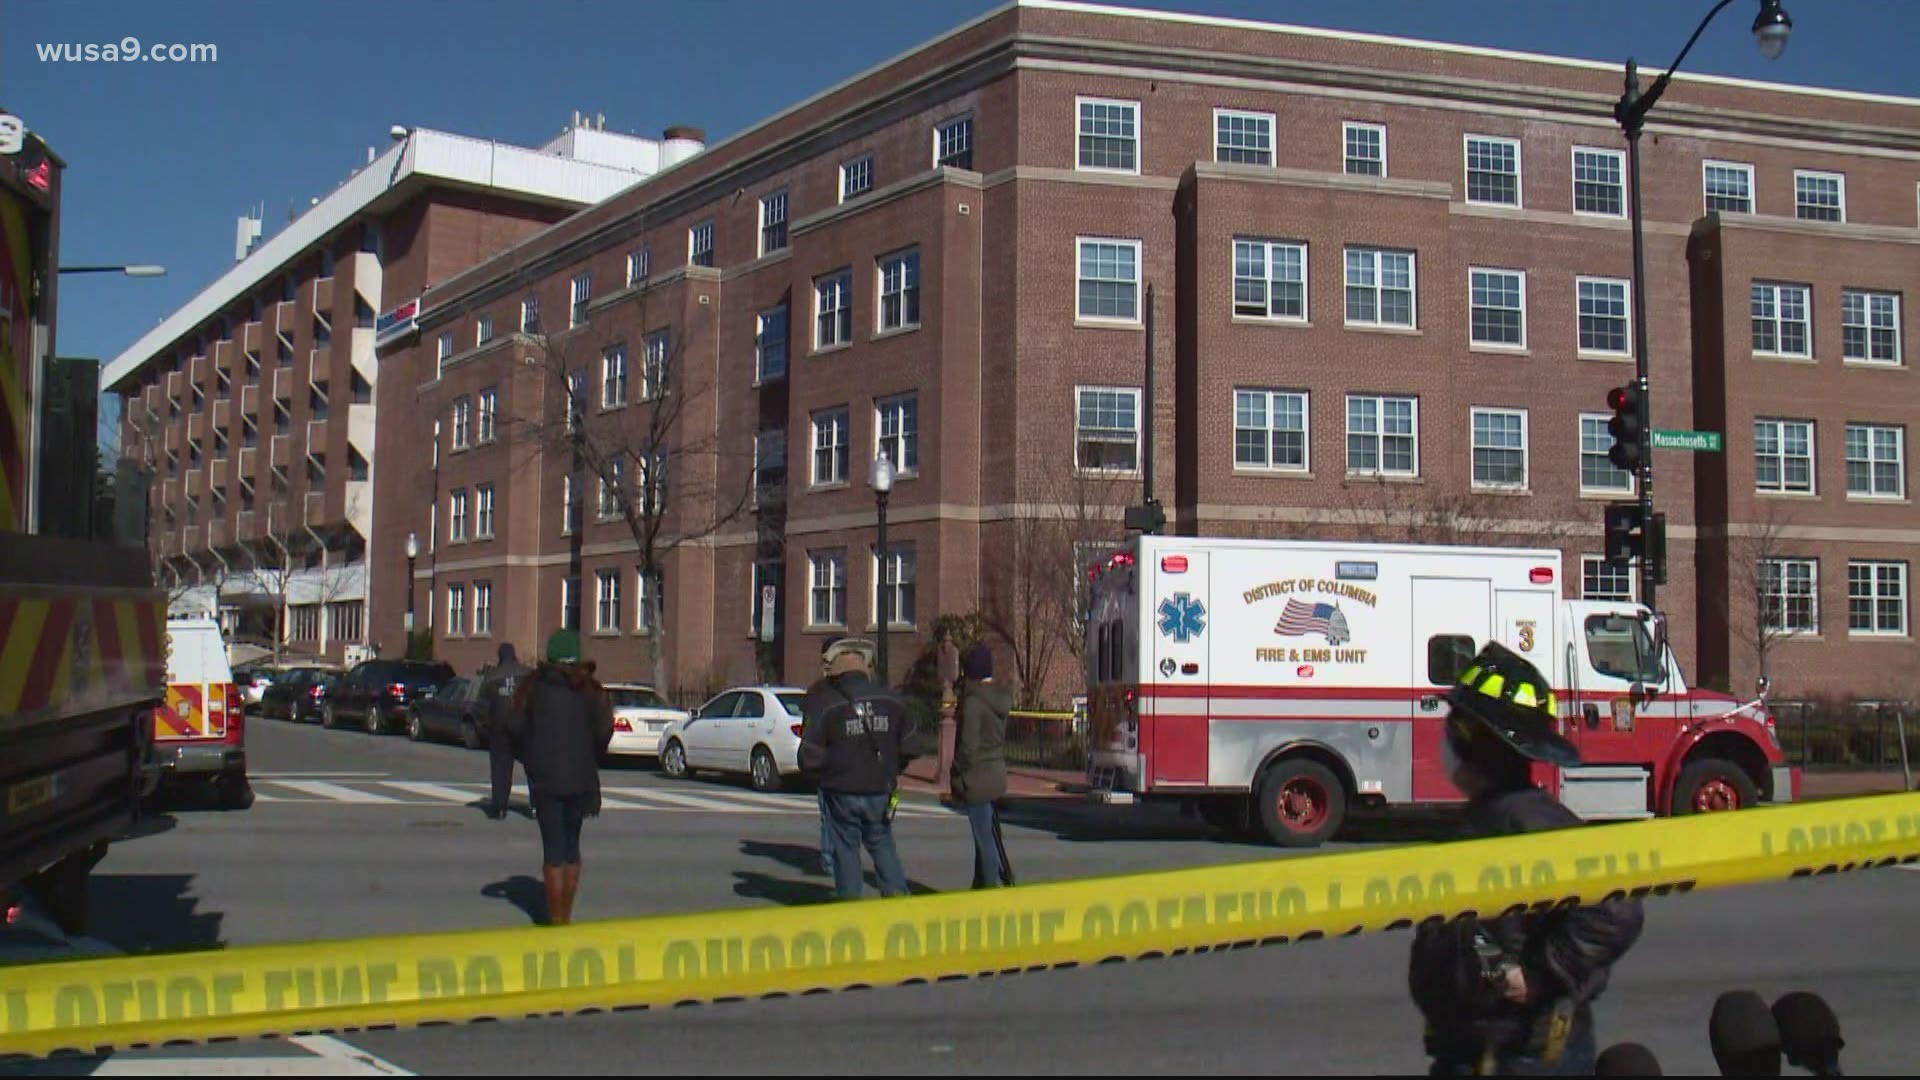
{"x": 1378, "y": 510}
{"x": 1761, "y": 602}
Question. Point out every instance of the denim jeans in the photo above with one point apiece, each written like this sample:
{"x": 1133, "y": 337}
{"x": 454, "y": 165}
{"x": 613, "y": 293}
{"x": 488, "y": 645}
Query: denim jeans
{"x": 861, "y": 821}
{"x": 987, "y": 872}
{"x": 826, "y": 836}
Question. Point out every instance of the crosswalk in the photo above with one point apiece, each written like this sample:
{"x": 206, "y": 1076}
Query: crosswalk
{"x": 378, "y": 790}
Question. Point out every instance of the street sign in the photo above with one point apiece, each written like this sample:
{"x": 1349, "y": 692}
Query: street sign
{"x": 769, "y": 600}
{"x": 1708, "y": 441}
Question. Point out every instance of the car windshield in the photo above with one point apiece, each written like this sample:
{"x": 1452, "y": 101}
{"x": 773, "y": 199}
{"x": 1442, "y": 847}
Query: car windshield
{"x": 637, "y": 698}
{"x": 792, "y": 701}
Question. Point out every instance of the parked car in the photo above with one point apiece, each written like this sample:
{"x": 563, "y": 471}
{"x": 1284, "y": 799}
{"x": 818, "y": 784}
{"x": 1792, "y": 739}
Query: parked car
{"x": 375, "y": 693}
{"x": 298, "y": 694}
{"x": 752, "y": 729}
{"x": 454, "y": 711}
{"x": 640, "y": 715}
{"x": 254, "y": 681}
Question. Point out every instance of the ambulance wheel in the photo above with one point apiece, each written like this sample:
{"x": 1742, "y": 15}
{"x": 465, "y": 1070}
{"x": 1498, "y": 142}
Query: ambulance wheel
{"x": 1711, "y": 785}
{"x": 1302, "y": 804}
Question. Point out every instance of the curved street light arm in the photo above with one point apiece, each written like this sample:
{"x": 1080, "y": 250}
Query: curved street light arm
{"x": 1634, "y": 105}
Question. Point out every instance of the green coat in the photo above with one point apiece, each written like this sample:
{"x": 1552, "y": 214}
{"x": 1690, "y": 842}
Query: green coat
{"x": 980, "y": 746}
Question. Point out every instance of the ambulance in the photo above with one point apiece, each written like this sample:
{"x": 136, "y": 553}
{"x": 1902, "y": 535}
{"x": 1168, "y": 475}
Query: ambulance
{"x": 199, "y": 731}
{"x": 1274, "y": 685}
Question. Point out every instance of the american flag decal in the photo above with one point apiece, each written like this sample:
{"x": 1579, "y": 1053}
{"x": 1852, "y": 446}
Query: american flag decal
{"x": 1301, "y": 619}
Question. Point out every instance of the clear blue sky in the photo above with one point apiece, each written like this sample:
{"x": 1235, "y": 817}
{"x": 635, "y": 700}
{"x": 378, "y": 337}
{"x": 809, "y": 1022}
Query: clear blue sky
{"x": 163, "y": 157}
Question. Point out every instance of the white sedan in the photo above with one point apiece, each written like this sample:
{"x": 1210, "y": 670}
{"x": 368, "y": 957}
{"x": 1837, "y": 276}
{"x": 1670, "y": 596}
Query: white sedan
{"x": 751, "y": 729}
{"x": 640, "y": 716}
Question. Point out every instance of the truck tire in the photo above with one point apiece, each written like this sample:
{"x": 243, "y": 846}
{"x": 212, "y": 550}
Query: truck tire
{"x": 1302, "y": 804}
{"x": 1713, "y": 784}
{"x": 233, "y": 792}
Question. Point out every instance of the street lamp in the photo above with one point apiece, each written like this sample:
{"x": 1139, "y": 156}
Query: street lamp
{"x": 882, "y": 481}
{"x": 413, "y": 552}
{"x": 1770, "y": 30}
{"x": 137, "y": 270}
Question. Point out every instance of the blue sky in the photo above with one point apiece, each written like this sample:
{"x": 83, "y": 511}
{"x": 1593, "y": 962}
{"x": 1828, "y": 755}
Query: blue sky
{"x": 163, "y": 157}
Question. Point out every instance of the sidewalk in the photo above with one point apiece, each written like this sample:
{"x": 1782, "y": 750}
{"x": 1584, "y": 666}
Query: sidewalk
{"x": 1840, "y": 785}
{"x": 1022, "y": 782}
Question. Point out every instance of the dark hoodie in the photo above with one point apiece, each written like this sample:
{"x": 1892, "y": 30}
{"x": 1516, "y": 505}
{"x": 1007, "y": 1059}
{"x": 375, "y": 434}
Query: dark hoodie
{"x": 980, "y": 749}
{"x": 858, "y": 735}
{"x": 562, "y": 722}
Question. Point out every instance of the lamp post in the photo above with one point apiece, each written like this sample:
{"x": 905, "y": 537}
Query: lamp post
{"x": 136, "y": 270}
{"x": 413, "y": 552}
{"x": 1770, "y": 30}
{"x": 882, "y": 481}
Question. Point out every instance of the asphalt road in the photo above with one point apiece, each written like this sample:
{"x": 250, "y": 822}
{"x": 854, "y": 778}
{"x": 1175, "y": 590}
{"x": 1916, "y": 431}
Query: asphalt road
{"x": 357, "y": 835}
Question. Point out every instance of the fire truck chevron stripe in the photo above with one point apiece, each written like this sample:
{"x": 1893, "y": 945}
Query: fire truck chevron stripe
{"x": 16, "y": 656}
{"x": 48, "y": 656}
{"x": 13, "y": 450}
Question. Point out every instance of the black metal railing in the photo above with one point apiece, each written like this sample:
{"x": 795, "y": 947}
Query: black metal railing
{"x": 1863, "y": 736}
{"x": 1047, "y": 740}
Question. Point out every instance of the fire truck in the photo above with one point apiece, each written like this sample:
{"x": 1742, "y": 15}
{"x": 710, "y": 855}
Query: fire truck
{"x": 82, "y": 628}
{"x": 1274, "y": 685}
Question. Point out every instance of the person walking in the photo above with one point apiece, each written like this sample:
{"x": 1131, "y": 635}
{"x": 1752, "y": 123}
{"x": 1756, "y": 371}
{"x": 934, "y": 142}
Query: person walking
{"x": 979, "y": 778}
{"x": 856, "y": 739}
{"x": 497, "y": 686}
{"x": 562, "y": 721}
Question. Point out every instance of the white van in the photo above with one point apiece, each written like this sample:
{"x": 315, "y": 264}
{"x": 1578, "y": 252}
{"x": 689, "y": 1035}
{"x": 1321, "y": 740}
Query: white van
{"x": 199, "y": 732}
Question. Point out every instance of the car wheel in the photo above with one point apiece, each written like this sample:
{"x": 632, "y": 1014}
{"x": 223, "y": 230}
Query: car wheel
{"x": 328, "y": 718}
{"x": 470, "y": 734}
{"x": 414, "y": 730}
{"x": 765, "y": 774}
{"x": 376, "y": 725}
{"x": 673, "y": 760}
{"x": 1712, "y": 785}
{"x": 1302, "y": 804}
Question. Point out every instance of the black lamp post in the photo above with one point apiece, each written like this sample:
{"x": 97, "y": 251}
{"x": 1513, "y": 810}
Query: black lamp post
{"x": 1770, "y": 30}
{"x": 882, "y": 480}
{"x": 413, "y": 552}
{"x": 138, "y": 270}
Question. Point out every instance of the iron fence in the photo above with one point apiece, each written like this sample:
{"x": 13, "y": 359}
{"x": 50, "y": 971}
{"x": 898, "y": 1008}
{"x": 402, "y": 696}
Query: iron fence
{"x": 1862, "y": 735}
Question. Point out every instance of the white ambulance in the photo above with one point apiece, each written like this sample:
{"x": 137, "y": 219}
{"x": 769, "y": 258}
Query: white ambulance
{"x": 199, "y": 731}
{"x": 1274, "y": 684}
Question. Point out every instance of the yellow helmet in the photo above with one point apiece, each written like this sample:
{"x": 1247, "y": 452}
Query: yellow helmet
{"x": 1503, "y": 695}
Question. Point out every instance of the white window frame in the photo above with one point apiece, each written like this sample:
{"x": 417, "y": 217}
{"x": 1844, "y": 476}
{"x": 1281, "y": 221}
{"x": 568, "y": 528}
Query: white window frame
{"x": 489, "y": 399}
{"x": 656, "y": 364}
{"x": 1780, "y": 425}
{"x": 613, "y": 377}
{"x": 903, "y": 437}
{"x": 1079, "y": 244}
{"x": 582, "y": 294}
{"x": 1590, "y": 563}
{"x": 1875, "y": 597}
{"x": 854, "y": 166}
{"x": 833, "y": 582}
{"x": 1626, "y": 317}
{"x": 482, "y": 330}
{"x": 482, "y": 608}
{"x": 462, "y": 422}
{"x": 568, "y": 585}
{"x": 762, "y": 371}
{"x": 909, "y": 259}
{"x": 841, "y": 284}
{"x": 1870, "y": 430}
{"x": 1840, "y": 182}
{"x": 640, "y": 625}
{"x": 1132, "y": 393}
{"x": 1380, "y": 435}
{"x": 1346, "y": 160}
{"x": 611, "y": 487}
{"x": 905, "y": 568}
{"x": 457, "y": 516}
{"x": 1779, "y": 290}
{"x": 700, "y": 242}
{"x": 1079, "y": 132}
{"x": 1474, "y": 447}
{"x": 639, "y": 265}
{"x": 606, "y": 601}
{"x": 1706, "y": 197}
{"x": 530, "y": 313}
{"x": 483, "y": 511}
{"x": 569, "y": 496}
{"x": 1776, "y": 602}
{"x": 1266, "y": 118}
{"x": 1497, "y": 346}
{"x": 953, "y": 123}
{"x": 839, "y": 430}
{"x": 1267, "y": 398}
{"x": 1582, "y": 452}
{"x": 1267, "y": 250}
{"x": 1466, "y": 171}
{"x": 1867, "y": 298}
{"x": 775, "y": 202}
{"x": 445, "y": 349}
{"x": 1379, "y": 289}
{"x": 456, "y": 610}
{"x": 1573, "y": 182}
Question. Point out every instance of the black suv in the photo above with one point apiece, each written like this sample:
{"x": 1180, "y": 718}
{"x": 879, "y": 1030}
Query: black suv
{"x": 375, "y": 693}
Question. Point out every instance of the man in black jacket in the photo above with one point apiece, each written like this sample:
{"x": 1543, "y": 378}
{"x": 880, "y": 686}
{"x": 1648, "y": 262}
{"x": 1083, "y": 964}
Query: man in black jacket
{"x": 1513, "y": 996}
{"x": 857, "y": 739}
{"x": 497, "y": 685}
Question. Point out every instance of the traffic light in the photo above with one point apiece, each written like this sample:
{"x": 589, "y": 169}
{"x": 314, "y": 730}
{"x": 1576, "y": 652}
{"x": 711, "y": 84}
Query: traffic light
{"x": 1625, "y": 401}
{"x": 1624, "y": 532}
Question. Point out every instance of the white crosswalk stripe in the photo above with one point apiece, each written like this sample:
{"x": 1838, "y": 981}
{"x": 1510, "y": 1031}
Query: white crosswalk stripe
{"x": 433, "y": 791}
{"x": 370, "y": 789}
{"x": 332, "y": 792}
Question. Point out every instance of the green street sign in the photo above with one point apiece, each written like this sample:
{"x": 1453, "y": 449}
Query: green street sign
{"x": 1708, "y": 441}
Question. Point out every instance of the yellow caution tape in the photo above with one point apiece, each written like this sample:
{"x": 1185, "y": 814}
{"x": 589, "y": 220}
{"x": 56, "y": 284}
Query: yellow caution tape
{"x": 1041, "y": 714}
{"x": 405, "y": 980}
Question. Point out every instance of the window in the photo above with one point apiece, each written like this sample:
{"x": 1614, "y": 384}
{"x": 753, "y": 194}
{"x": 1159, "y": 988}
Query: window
{"x": 1109, "y": 284}
{"x": 607, "y": 608}
{"x": 1877, "y": 598}
{"x": 829, "y": 592}
{"x": 770, "y": 344}
{"x": 613, "y": 377}
{"x": 483, "y": 607}
{"x": 530, "y": 315}
{"x": 1596, "y": 182}
{"x": 1876, "y": 461}
{"x": 1109, "y": 135}
{"x": 489, "y": 406}
{"x": 576, "y": 400}
{"x": 1603, "y": 315}
{"x": 1499, "y": 448}
{"x": 893, "y": 579}
{"x": 569, "y": 505}
{"x": 856, "y": 177}
{"x": 1602, "y": 580}
{"x": 653, "y": 481}
{"x": 1493, "y": 171}
{"x": 953, "y": 144}
{"x": 1106, "y": 436}
{"x": 1382, "y": 436}
{"x": 456, "y": 609}
{"x": 833, "y": 310}
{"x": 700, "y": 244}
{"x": 348, "y": 618}
{"x": 1270, "y": 280}
{"x": 462, "y": 426}
{"x": 457, "y": 514}
{"x": 830, "y": 447}
{"x": 306, "y": 621}
{"x": 1366, "y": 148}
{"x": 1789, "y": 595}
{"x": 1782, "y": 324}
{"x": 1380, "y": 286}
{"x": 612, "y": 489}
{"x": 445, "y": 346}
{"x": 1729, "y": 187}
{"x": 1448, "y": 657}
{"x": 1499, "y": 307}
{"x": 1597, "y": 472}
{"x": 1619, "y": 647}
{"x": 582, "y": 292}
{"x": 483, "y": 511}
{"x": 1870, "y": 326}
{"x": 482, "y": 330}
{"x": 1270, "y": 430}
{"x": 896, "y": 423}
{"x": 900, "y": 291}
{"x": 770, "y": 464}
{"x": 773, "y": 223}
{"x": 1244, "y": 138}
{"x": 570, "y": 603}
{"x": 656, "y": 366}
{"x": 1783, "y": 455}
{"x": 1819, "y": 196}
{"x": 640, "y": 594}
{"x": 639, "y": 265}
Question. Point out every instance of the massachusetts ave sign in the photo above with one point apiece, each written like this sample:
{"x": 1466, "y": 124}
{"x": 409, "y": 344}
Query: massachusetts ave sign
{"x": 1708, "y": 441}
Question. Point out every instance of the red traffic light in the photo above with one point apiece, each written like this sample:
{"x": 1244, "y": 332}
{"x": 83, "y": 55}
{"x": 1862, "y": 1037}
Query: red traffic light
{"x": 1618, "y": 397}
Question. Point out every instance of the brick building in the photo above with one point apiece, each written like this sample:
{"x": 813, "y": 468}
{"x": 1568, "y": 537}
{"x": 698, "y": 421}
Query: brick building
{"x": 1390, "y": 285}
{"x": 254, "y": 407}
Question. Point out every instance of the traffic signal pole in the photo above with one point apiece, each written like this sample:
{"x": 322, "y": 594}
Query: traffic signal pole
{"x": 1632, "y": 116}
